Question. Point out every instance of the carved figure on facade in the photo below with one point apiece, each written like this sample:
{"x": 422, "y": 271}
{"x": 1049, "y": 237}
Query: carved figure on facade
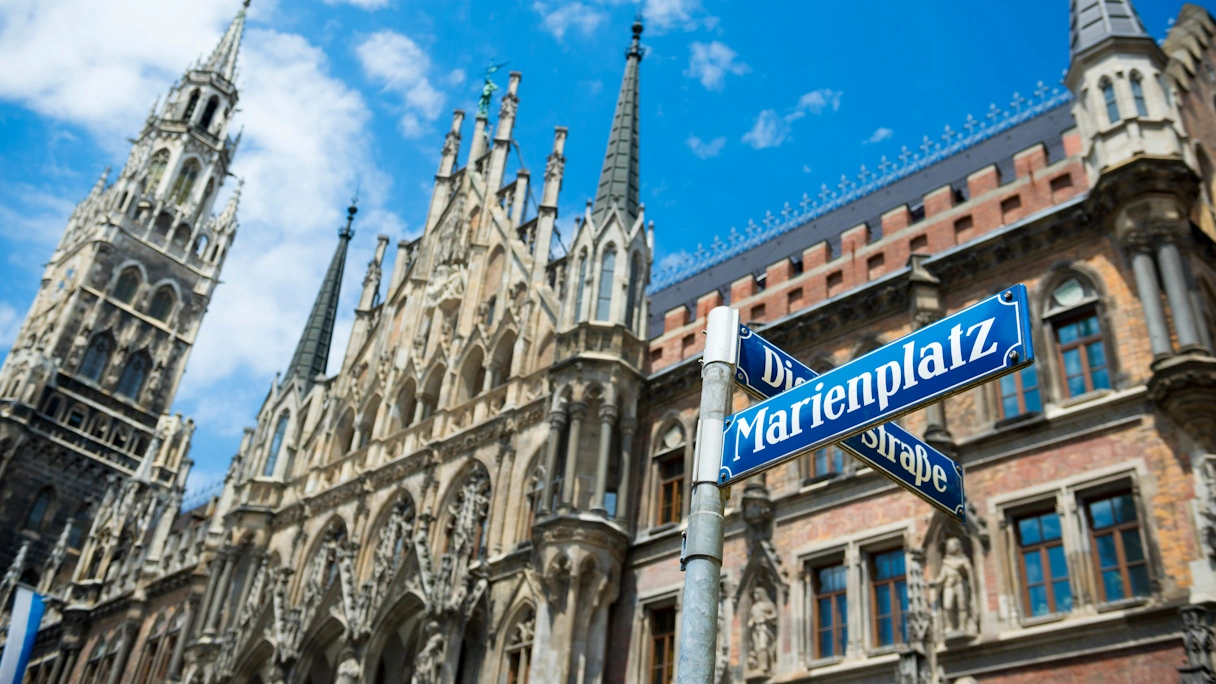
{"x": 762, "y": 633}
{"x": 954, "y": 585}
{"x": 1198, "y": 643}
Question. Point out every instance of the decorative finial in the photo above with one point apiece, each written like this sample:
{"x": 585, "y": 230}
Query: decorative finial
{"x": 246, "y": 4}
{"x": 635, "y": 45}
{"x": 346, "y": 231}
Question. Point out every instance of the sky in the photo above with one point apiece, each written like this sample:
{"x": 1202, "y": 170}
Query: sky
{"x": 744, "y": 106}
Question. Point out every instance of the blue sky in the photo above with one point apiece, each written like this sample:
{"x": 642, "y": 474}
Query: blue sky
{"x": 745, "y": 106}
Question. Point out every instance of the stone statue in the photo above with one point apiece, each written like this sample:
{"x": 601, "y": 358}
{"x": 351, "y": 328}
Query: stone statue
{"x": 762, "y": 628}
{"x": 487, "y": 90}
{"x": 954, "y": 585}
{"x": 430, "y": 658}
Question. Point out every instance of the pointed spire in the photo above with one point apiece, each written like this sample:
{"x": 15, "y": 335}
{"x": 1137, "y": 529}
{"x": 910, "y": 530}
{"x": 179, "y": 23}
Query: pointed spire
{"x": 223, "y": 60}
{"x": 312, "y": 353}
{"x": 1094, "y": 21}
{"x": 619, "y": 184}
{"x": 227, "y": 217}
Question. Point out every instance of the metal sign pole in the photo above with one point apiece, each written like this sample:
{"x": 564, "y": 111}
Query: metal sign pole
{"x": 702, "y": 553}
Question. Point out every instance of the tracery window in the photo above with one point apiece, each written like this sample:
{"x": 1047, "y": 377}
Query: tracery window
{"x": 185, "y": 182}
{"x": 631, "y": 297}
{"x": 128, "y": 283}
{"x": 37, "y": 514}
{"x": 191, "y": 105}
{"x": 582, "y": 286}
{"x": 133, "y": 375}
{"x": 1138, "y": 95}
{"x": 603, "y": 305}
{"x": 156, "y": 169}
{"x": 276, "y": 443}
{"x": 96, "y": 358}
{"x": 162, "y": 303}
{"x": 1108, "y": 97}
{"x": 519, "y": 649}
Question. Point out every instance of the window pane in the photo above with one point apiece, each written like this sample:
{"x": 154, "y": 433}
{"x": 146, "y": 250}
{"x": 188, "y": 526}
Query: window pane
{"x": 1133, "y": 552}
{"x": 901, "y": 588}
{"x": 842, "y": 617}
{"x": 882, "y": 598}
{"x": 821, "y": 462}
{"x": 1113, "y": 583}
{"x": 1033, "y": 561}
{"x": 825, "y": 612}
{"x": 1063, "y": 594}
{"x": 1030, "y": 379}
{"x": 1068, "y": 333}
{"x": 1125, "y": 509}
{"x": 1101, "y": 379}
{"x": 1089, "y": 326}
{"x": 1139, "y": 579}
{"x": 1038, "y": 601}
{"x": 825, "y": 645}
{"x": 886, "y": 636}
{"x": 1059, "y": 567}
{"x": 1072, "y": 362}
{"x": 1009, "y": 386}
{"x": 1051, "y": 526}
{"x": 1076, "y": 386}
{"x": 1028, "y": 530}
{"x": 1033, "y": 405}
{"x": 1107, "y": 557}
{"x": 1101, "y": 514}
{"x": 1097, "y": 354}
{"x": 837, "y": 459}
{"x": 1009, "y": 406}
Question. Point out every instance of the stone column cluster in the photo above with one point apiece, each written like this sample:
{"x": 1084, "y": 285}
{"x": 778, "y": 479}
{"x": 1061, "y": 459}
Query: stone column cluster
{"x": 1155, "y": 253}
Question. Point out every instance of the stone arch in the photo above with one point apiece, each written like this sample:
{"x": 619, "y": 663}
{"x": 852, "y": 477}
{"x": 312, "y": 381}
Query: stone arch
{"x": 1071, "y": 291}
{"x": 432, "y": 389}
{"x": 213, "y": 104}
{"x": 368, "y": 419}
{"x": 405, "y": 405}
{"x": 319, "y": 562}
{"x": 964, "y": 575}
{"x": 344, "y": 434}
{"x": 464, "y": 512}
{"x": 128, "y": 278}
{"x": 181, "y": 237}
{"x": 321, "y": 650}
{"x": 395, "y": 640}
{"x": 502, "y": 358}
{"x": 387, "y": 544}
{"x": 515, "y": 653}
{"x": 160, "y": 227}
{"x": 472, "y": 374}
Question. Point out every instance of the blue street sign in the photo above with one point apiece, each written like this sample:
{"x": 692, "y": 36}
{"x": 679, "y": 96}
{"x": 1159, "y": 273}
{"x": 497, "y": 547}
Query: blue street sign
{"x": 977, "y": 344}
{"x": 765, "y": 371}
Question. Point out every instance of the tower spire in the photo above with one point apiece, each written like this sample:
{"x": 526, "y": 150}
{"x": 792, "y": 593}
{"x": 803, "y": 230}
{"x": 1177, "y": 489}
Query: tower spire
{"x": 312, "y": 353}
{"x": 1095, "y": 21}
{"x": 619, "y": 184}
{"x": 223, "y": 59}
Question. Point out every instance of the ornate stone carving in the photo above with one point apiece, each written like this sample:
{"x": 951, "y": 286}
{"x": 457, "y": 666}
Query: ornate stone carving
{"x": 1197, "y": 640}
{"x": 762, "y": 633}
{"x": 954, "y": 584}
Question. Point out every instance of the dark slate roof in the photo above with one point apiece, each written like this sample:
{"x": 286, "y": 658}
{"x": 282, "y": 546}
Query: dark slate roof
{"x": 312, "y": 353}
{"x": 1093, "y": 21}
{"x": 706, "y": 272}
{"x": 619, "y": 178}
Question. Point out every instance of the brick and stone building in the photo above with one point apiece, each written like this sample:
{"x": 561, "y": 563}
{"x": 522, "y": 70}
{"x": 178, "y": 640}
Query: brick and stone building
{"x": 493, "y": 487}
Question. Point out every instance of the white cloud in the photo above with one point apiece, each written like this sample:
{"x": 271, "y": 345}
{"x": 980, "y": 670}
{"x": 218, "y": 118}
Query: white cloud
{"x": 401, "y": 66}
{"x": 63, "y": 59}
{"x": 709, "y": 63}
{"x": 664, "y": 15}
{"x": 703, "y": 149}
{"x": 559, "y": 18}
{"x": 772, "y": 130}
{"x": 806, "y": 168}
{"x": 672, "y": 260}
{"x": 10, "y": 323}
{"x": 456, "y": 77}
{"x": 769, "y": 130}
{"x": 880, "y": 134}
{"x": 817, "y": 100}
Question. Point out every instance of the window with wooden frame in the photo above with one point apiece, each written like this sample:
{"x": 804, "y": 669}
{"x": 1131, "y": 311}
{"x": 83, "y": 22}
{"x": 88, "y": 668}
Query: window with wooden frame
{"x": 671, "y": 488}
{"x": 822, "y": 463}
{"x": 1042, "y": 565}
{"x": 168, "y": 646}
{"x": 1076, "y": 329}
{"x": 889, "y": 597}
{"x": 662, "y": 645}
{"x": 831, "y": 610}
{"x": 1119, "y": 555}
{"x": 1020, "y": 393}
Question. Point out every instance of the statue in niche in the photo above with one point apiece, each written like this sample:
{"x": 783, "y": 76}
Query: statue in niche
{"x": 430, "y": 658}
{"x": 762, "y": 632}
{"x": 954, "y": 584}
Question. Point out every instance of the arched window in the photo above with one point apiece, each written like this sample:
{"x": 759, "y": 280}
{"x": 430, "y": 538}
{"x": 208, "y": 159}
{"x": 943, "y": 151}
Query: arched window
{"x": 603, "y": 305}
{"x": 181, "y": 236}
{"x": 96, "y": 358}
{"x": 200, "y": 246}
{"x": 344, "y": 434}
{"x": 1081, "y": 353}
{"x": 1138, "y": 95}
{"x": 128, "y": 283}
{"x": 162, "y": 303}
{"x": 407, "y": 404}
{"x": 37, "y": 514}
{"x": 519, "y": 648}
{"x": 582, "y": 286}
{"x": 504, "y": 356}
{"x": 52, "y": 407}
{"x": 191, "y": 105}
{"x": 185, "y": 182}
{"x": 132, "y": 380}
{"x": 276, "y": 443}
{"x": 209, "y": 113}
{"x": 631, "y": 298}
{"x": 208, "y": 190}
{"x": 1108, "y": 96}
{"x": 669, "y": 465}
{"x": 472, "y": 375}
{"x": 491, "y": 304}
{"x": 156, "y": 169}
{"x": 80, "y": 527}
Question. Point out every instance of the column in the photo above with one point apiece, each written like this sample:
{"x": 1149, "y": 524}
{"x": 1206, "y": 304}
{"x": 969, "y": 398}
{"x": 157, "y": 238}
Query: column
{"x": 628, "y": 427}
{"x": 57, "y": 668}
{"x": 1150, "y": 298}
{"x": 419, "y": 408}
{"x": 213, "y": 578}
{"x": 1178, "y": 293}
{"x": 124, "y": 652}
{"x": 221, "y": 591}
{"x": 491, "y": 376}
{"x": 69, "y": 664}
{"x": 174, "y": 671}
{"x": 557, "y": 421}
{"x": 577, "y": 410}
{"x": 608, "y": 414}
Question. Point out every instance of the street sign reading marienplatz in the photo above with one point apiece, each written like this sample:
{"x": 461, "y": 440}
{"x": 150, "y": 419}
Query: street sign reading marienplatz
{"x": 979, "y": 343}
{"x": 765, "y": 371}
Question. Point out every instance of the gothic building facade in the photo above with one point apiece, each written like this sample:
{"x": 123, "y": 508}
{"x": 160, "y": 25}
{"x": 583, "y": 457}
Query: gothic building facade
{"x": 493, "y": 487}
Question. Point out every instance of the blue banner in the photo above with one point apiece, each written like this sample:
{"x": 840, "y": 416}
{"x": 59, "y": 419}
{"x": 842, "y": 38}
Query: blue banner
{"x": 977, "y": 344}
{"x": 765, "y": 371}
{"x": 22, "y": 630}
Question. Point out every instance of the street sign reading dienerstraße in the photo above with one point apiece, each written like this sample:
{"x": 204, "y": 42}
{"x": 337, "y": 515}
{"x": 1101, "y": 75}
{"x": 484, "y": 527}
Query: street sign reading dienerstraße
{"x": 977, "y": 344}
{"x": 765, "y": 371}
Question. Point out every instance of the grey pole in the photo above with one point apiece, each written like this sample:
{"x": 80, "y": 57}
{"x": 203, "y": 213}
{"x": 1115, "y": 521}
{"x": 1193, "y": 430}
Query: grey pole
{"x": 702, "y": 557}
